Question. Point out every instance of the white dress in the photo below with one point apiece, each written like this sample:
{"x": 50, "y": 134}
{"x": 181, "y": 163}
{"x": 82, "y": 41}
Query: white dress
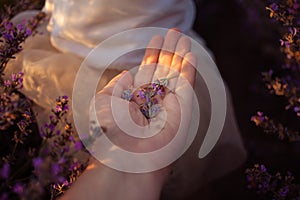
{"x": 50, "y": 62}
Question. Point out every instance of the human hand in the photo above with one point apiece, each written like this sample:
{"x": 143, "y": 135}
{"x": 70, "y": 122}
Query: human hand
{"x": 168, "y": 59}
{"x": 128, "y": 128}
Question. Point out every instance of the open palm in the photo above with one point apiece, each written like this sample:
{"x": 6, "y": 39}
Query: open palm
{"x": 166, "y": 58}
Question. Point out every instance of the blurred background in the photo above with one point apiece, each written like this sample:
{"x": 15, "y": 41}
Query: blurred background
{"x": 245, "y": 42}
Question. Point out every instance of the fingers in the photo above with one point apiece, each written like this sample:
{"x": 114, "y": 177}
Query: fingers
{"x": 182, "y": 48}
{"x": 148, "y": 66}
{"x": 188, "y": 70}
{"x": 168, "y": 58}
{"x": 118, "y": 84}
{"x": 166, "y": 54}
{"x": 153, "y": 50}
{"x": 187, "y": 76}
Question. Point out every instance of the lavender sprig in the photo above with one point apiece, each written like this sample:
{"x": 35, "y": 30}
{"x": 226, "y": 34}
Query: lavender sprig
{"x": 275, "y": 187}
{"x": 270, "y": 127}
{"x": 56, "y": 164}
{"x": 287, "y": 85}
{"x": 148, "y": 95}
{"x": 12, "y": 36}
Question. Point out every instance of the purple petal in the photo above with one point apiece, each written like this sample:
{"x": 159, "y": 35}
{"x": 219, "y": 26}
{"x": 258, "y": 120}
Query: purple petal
{"x": 78, "y": 145}
{"x": 18, "y": 188}
{"x": 37, "y": 162}
{"x": 5, "y": 171}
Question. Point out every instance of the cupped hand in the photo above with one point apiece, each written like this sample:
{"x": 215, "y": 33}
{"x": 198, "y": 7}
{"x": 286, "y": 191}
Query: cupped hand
{"x": 169, "y": 59}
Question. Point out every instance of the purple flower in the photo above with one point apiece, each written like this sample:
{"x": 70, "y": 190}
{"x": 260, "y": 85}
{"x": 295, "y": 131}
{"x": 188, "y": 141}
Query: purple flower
{"x": 296, "y": 109}
{"x": 74, "y": 166}
{"x": 51, "y": 117}
{"x": 21, "y": 74}
{"x": 18, "y": 188}
{"x": 154, "y": 85}
{"x": 20, "y": 27}
{"x": 28, "y": 32}
{"x": 127, "y": 95}
{"x": 293, "y": 31}
{"x": 20, "y": 83}
{"x": 78, "y": 145}
{"x": 42, "y": 133}
{"x": 147, "y": 98}
{"x": 62, "y": 160}
{"x": 58, "y": 108}
{"x": 8, "y": 36}
{"x": 141, "y": 94}
{"x": 7, "y": 83}
{"x": 62, "y": 179}
{"x": 66, "y": 108}
{"x": 66, "y": 183}
{"x": 37, "y": 162}
{"x": 55, "y": 169}
{"x": 5, "y": 171}
{"x": 274, "y": 6}
{"x": 65, "y": 97}
{"x": 51, "y": 127}
{"x": 284, "y": 191}
{"x": 66, "y": 149}
{"x": 13, "y": 77}
{"x": 71, "y": 138}
{"x": 263, "y": 168}
{"x": 160, "y": 92}
{"x": 8, "y": 25}
{"x": 57, "y": 132}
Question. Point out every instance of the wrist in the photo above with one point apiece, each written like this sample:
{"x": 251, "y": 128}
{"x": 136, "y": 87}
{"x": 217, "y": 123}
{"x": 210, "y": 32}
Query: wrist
{"x": 101, "y": 182}
{"x": 156, "y": 178}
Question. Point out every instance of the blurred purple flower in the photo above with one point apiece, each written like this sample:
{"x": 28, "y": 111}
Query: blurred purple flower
{"x": 20, "y": 27}
{"x": 78, "y": 145}
{"x": 58, "y": 108}
{"x": 141, "y": 94}
{"x": 14, "y": 77}
{"x": 18, "y": 188}
{"x": 28, "y": 32}
{"x": 65, "y": 98}
{"x": 127, "y": 95}
{"x": 55, "y": 169}
{"x": 263, "y": 168}
{"x": 284, "y": 191}
{"x": 66, "y": 108}
{"x": 274, "y": 6}
{"x": 5, "y": 171}
{"x": 7, "y": 83}
{"x": 37, "y": 162}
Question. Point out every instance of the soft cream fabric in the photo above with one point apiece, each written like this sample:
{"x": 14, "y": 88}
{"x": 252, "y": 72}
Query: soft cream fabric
{"x": 78, "y": 25}
{"x": 50, "y": 62}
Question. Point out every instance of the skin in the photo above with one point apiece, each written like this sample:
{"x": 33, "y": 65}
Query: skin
{"x": 101, "y": 182}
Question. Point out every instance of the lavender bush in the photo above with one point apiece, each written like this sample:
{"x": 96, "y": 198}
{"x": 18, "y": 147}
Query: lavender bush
{"x": 282, "y": 83}
{"x": 34, "y": 164}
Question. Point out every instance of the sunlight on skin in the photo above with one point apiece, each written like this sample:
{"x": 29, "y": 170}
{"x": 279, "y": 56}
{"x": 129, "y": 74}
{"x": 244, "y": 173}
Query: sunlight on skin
{"x": 151, "y": 59}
